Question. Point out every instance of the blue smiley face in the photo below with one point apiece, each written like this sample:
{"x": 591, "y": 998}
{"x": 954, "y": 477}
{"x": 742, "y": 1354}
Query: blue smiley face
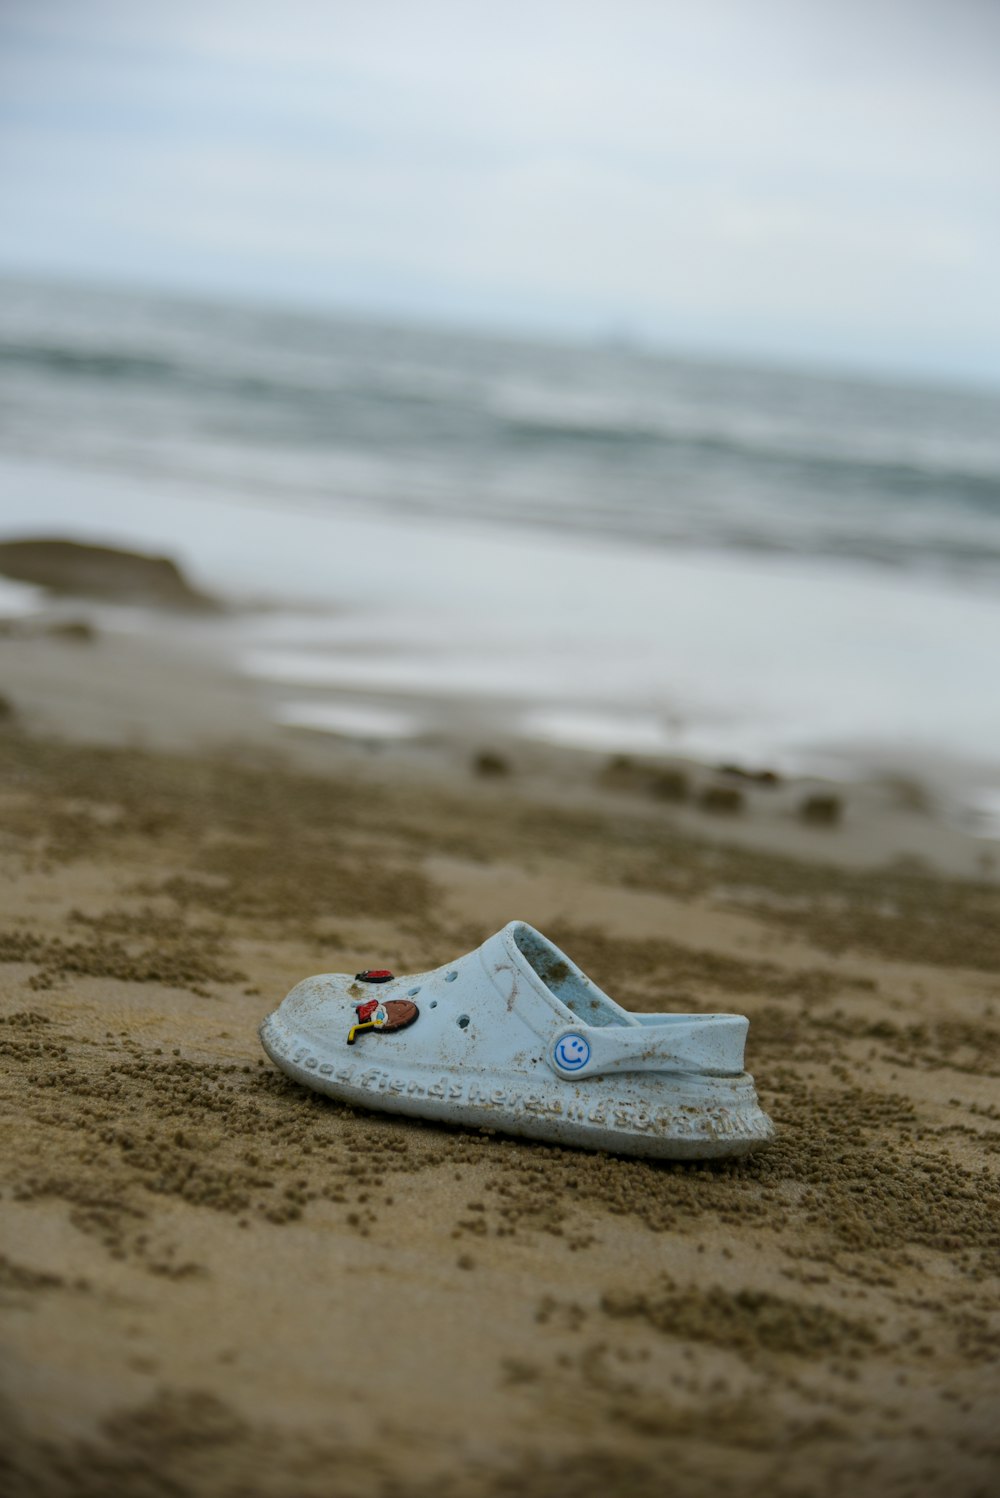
{"x": 572, "y": 1053}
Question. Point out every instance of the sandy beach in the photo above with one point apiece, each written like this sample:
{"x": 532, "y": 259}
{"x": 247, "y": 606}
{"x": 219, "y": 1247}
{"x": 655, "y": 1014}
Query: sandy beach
{"x": 466, "y": 469}
{"x": 213, "y": 1282}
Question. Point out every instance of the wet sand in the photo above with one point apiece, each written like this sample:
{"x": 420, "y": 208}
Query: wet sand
{"x": 213, "y": 1282}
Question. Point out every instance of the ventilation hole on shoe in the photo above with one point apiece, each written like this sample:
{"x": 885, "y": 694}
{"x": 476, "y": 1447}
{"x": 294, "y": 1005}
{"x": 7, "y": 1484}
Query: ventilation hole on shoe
{"x": 411, "y": 993}
{"x": 450, "y": 977}
{"x": 463, "y": 1021}
{"x": 433, "y": 1003}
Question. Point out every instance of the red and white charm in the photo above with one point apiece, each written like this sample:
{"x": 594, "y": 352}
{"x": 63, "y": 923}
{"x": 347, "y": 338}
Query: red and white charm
{"x": 394, "y": 1014}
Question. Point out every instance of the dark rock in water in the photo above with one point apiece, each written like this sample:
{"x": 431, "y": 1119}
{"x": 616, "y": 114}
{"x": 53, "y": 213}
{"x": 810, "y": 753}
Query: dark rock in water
{"x": 78, "y": 631}
{"x": 759, "y": 777}
{"x": 722, "y": 799}
{"x": 662, "y": 782}
{"x": 101, "y": 572}
{"x": 6, "y": 710}
{"x": 488, "y": 763}
{"x": 669, "y": 785}
{"x": 821, "y": 810}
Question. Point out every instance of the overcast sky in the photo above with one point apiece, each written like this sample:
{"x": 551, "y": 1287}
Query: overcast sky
{"x": 783, "y": 178}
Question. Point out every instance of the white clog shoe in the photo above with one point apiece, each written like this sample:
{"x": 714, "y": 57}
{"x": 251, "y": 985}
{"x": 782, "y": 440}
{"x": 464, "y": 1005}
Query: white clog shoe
{"x": 515, "y": 1037}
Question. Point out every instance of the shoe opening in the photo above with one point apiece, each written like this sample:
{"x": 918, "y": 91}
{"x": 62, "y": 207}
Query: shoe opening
{"x": 564, "y": 979}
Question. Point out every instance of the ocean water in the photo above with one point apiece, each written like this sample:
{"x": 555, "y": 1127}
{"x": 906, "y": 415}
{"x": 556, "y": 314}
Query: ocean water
{"x": 608, "y": 545}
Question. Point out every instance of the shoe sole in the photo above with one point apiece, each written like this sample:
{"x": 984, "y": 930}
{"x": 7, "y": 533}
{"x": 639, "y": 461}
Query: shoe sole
{"x": 700, "y": 1117}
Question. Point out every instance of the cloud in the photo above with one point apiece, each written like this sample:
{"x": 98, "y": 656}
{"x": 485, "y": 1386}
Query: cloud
{"x": 784, "y": 177}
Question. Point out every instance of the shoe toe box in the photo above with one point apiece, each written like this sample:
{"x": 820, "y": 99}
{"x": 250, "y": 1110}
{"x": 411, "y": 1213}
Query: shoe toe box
{"x": 318, "y": 1009}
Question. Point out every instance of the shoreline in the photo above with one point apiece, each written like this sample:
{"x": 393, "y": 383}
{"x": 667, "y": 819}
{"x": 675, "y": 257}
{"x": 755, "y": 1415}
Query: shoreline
{"x": 796, "y": 665}
{"x": 102, "y": 675}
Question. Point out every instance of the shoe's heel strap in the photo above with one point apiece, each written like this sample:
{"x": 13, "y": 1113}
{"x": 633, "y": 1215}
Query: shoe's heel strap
{"x": 709, "y": 1043}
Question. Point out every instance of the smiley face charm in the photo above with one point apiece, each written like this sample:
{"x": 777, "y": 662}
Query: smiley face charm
{"x": 571, "y": 1052}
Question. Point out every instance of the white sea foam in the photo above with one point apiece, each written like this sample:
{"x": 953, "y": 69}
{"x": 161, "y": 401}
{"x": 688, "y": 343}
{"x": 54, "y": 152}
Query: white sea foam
{"x": 981, "y": 806}
{"x": 360, "y": 720}
{"x": 18, "y": 600}
{"x": 610, "y": 732}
